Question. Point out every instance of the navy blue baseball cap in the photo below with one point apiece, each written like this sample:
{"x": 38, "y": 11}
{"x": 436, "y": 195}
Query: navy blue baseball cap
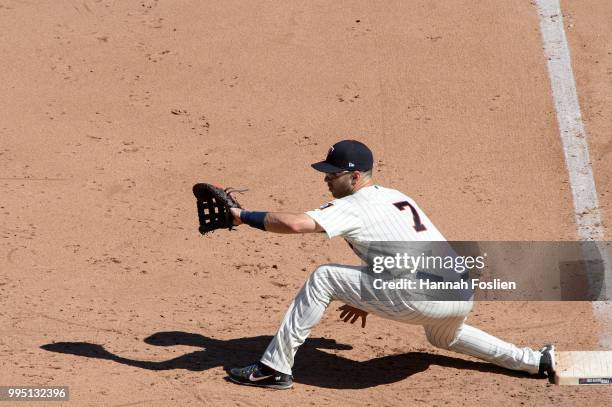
{"x": 346, "y": 155}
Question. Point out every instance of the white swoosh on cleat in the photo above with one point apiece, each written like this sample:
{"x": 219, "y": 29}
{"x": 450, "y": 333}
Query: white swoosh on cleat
{"x": 256, "y": 379}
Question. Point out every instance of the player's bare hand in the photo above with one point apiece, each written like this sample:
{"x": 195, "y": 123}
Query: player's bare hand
{"x": 236, "y": 214}
{"x": 352, "y": 314}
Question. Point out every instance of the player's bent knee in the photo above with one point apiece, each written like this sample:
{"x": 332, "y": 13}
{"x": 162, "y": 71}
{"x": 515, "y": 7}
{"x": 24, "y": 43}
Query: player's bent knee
{"x": 438, "y": 343}
{"x": 442, "y": 340}
{"x": 319, "y": 280}
{"x": 321, "y": 273}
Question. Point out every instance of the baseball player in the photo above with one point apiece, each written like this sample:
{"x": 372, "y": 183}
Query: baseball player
{"x": 363, "y": 212}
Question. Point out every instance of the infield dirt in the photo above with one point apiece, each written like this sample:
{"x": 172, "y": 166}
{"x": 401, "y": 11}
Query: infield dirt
{"x": 112, "y": 110}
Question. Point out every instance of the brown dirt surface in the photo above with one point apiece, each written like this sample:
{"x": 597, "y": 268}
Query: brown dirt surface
{"x": 112, "y": 110}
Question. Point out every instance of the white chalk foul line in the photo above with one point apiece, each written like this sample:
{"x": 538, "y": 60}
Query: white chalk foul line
{"x": 575, "y": 147}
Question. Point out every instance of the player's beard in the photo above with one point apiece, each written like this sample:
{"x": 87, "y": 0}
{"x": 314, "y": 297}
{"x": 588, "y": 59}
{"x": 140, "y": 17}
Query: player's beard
{"x": 340, "y": 189}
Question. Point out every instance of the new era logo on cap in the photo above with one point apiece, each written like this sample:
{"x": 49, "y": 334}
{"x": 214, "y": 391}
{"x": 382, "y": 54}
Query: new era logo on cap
{"x": 346, "y": 155}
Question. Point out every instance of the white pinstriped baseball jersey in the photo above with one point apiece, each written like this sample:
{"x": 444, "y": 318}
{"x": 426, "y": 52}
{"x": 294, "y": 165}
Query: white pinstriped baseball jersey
{"x": 375, "y": 214}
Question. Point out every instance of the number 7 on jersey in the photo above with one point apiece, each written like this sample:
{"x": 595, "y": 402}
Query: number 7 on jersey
{"x": 418, "y": 226}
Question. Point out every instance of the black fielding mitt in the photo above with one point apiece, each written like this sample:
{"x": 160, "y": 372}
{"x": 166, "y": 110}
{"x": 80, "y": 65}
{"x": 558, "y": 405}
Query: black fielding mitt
{"x": 214, "y": 205}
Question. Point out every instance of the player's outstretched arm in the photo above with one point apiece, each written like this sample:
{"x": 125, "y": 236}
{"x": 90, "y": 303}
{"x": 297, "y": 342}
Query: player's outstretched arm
{"x": 281, "y": 222}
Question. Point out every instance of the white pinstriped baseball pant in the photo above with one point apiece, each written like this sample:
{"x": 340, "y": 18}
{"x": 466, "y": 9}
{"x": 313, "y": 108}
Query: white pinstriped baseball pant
{"x": 444, "y": 322}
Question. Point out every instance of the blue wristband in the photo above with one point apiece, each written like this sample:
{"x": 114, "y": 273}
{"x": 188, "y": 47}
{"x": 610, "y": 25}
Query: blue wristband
{"x": 254, "y": 219}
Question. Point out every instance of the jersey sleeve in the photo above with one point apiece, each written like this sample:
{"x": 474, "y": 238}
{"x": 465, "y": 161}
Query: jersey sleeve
{"x": 337, "y": 217}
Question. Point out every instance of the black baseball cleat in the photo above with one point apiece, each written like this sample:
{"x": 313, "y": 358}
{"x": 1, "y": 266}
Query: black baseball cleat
{"x": 547, "y": 361}
{"x": 260, "y": 375}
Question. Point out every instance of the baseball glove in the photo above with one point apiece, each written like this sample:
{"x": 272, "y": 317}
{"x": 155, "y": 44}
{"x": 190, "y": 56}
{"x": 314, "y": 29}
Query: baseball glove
{"x": 214, "y": 205}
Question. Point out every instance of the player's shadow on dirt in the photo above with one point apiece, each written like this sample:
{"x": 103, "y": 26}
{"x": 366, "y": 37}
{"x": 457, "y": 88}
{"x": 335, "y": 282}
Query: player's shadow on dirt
{"x": 313, "y": 366}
